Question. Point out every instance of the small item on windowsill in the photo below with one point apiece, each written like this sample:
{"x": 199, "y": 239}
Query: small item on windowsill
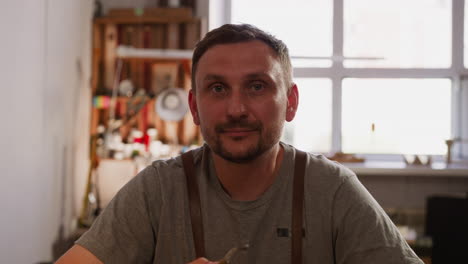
{"x": 418, "y": 160}
{"x": 345, "y": 157}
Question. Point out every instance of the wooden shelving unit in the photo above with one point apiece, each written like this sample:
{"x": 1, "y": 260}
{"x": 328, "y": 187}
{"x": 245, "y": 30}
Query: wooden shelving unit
{"x": 153, "y": 28}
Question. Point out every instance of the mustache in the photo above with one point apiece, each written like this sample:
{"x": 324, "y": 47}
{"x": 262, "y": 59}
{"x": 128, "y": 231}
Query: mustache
{"x": 238, "y": 124}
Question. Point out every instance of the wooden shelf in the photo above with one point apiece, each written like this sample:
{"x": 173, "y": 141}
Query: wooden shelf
{"x": 144, "y": 20}
{"x": 153, "y": 29}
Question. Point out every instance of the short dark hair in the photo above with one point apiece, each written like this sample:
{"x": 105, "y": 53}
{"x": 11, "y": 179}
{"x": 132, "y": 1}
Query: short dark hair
{"x": 235, "y": 33}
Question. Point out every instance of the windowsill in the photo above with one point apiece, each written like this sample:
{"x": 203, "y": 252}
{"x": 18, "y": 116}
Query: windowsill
{"x": 399, "y": 168}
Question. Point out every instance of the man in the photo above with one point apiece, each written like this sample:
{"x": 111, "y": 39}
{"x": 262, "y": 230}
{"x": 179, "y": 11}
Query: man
{"x": 242, "y": 93}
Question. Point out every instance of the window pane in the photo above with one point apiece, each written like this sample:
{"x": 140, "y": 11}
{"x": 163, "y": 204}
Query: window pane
{"x": 398, "y": 33}
{"x": 311, "y": 128}
{"x": 304, "y": 25}
{"x": 396, "y": 116}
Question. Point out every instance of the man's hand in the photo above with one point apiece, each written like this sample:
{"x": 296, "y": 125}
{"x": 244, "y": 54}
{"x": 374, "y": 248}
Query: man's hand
{"x": 78, "y": 255}
{"x": 202, "y": 261}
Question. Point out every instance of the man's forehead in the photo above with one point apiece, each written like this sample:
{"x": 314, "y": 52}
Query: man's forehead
{"x": 217, "y": 68}
{"x": 251, "y": 75}
{"x": 233, "y": 48}
{"x": 238, "y": 60}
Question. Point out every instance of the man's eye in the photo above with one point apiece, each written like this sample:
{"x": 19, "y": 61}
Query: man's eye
{"x": 217, "y": 88}
{"x": 257, "y": 87}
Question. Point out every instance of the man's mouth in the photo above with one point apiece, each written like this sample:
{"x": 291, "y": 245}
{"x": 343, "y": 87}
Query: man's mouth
{"x": 238, "y": 130}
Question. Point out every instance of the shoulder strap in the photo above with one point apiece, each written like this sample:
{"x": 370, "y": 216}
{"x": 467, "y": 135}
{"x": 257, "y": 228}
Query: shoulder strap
{"x": 194, "y": 204}
{"x": 298, "y": 206}
{"x": 297, "y": 214}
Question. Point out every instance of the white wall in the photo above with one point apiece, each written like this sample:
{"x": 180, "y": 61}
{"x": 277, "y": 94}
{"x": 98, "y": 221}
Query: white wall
{"x": 44, "y": 108}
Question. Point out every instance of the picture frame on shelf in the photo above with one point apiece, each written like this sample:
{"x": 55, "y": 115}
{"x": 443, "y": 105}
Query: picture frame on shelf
{"x": 164, "y": 76}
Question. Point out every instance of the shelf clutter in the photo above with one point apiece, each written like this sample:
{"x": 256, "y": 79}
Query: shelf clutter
{"x": 141, "y": 68}
{"x": 138, "y": 55}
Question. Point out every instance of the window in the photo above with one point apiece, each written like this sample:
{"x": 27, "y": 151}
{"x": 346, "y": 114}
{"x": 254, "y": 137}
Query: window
{"x": 379, "y": 77}
{"x": 311, "y": 128}
{"x": 275, "y": 16}
{"x": 397, "y": 33}
{"x": 379, "y": 115}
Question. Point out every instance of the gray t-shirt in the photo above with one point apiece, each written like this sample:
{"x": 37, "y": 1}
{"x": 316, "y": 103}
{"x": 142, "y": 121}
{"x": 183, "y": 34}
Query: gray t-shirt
{"x": 148, "y": 221}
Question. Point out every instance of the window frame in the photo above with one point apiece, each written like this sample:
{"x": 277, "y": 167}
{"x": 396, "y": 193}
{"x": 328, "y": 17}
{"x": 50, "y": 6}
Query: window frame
{"x": 337, "y": 72}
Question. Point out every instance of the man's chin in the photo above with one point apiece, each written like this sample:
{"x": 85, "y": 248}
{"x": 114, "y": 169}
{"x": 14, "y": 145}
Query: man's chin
{"x": 238, "y": 157}
{"x": 238, "y": 153}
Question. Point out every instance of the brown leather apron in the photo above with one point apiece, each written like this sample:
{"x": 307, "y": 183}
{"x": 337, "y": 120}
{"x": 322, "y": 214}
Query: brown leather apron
{"x": 297, "y": 206}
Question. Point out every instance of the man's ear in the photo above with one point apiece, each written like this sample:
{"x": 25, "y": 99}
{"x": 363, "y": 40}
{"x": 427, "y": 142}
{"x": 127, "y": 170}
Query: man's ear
{"x": 193, "y": 107}
{"x": 293, "y": 102}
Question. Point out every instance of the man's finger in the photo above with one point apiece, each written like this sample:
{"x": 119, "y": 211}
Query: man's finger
{"x": 202, "y": 261}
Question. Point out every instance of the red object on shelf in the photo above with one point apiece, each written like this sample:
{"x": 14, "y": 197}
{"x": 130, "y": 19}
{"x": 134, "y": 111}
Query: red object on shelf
{"x": 145, "y": 139}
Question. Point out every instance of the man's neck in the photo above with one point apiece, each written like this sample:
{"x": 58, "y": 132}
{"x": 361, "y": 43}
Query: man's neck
{"x": 248, "y": 181}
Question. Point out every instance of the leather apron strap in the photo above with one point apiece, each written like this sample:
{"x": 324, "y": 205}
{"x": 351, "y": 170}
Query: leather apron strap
{"x": 298, "y": 207}
{"x": 297, "y": 213}
{"x": 194, "y": 204}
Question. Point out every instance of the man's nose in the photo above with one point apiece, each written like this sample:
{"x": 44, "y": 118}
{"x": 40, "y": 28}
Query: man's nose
{"x": 237, "y": 107}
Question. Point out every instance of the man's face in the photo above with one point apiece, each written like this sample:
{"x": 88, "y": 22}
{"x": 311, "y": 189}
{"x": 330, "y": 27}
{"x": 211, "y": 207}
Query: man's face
{"x": 241, "y": 100}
